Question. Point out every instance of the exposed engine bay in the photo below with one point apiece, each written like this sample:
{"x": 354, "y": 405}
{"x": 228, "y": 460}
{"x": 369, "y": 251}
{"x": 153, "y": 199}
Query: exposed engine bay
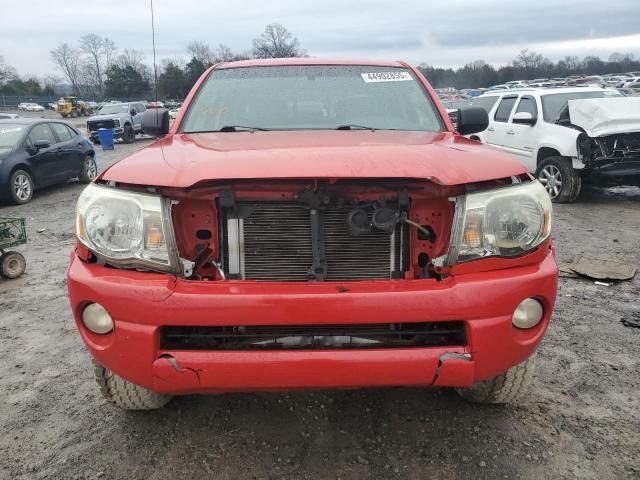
{"x": 315, "y": 231}
{"x": 609, "y": 142}
{"x": 602, "y": 151}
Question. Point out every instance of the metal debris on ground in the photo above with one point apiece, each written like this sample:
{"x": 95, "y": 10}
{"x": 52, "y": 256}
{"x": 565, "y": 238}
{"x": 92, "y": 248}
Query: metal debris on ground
{"x": 631, "y": 320}
{"x": 597, "y": 269}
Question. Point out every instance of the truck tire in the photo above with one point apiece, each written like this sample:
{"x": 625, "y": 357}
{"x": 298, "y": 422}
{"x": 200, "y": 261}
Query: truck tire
{"x": 559, "y": 178}
{"x": 124, "y": 394}
{"x": 12, "y": 265}
{"x": 129, "y": 135}
{"x": 577, "y": 187}
{"x": 506, "y": 388}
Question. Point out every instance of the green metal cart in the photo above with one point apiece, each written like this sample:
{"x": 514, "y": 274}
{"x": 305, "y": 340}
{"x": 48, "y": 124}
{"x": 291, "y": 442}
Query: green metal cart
{"x": 12, "y": 234}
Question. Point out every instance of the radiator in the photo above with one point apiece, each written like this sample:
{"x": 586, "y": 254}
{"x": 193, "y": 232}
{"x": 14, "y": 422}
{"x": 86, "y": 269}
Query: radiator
{"x": 277, "y": 241}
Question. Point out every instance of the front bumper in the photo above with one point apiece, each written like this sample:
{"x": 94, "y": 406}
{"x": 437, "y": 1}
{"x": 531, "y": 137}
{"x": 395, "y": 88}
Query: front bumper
{"x": 117, "y": 132}
{"x": 140, "y": 303}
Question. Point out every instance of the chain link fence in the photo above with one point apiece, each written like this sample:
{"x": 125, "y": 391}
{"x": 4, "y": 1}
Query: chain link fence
{"x": 8, "y": 102}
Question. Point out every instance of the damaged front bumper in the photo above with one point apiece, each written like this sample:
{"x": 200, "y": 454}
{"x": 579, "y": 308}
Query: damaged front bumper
{"x": 142, "y": 303}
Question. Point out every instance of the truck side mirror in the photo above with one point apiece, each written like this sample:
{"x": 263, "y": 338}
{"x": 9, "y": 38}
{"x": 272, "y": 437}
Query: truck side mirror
{"x": 472, "y": 120}
{"x": 155, "y": 122}
{"x": 523, "y": 118}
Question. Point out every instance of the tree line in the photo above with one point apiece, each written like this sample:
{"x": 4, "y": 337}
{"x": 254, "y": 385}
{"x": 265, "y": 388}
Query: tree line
{"x": 95, "y": 67}
{"x": 528, "y": 65}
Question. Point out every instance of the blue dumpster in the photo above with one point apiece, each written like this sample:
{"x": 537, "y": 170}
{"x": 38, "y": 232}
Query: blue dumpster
{"x": 106, "y": 138}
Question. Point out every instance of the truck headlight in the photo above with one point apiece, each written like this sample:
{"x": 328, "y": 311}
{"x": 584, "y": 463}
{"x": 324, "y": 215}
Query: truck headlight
{"x": 504, "y": 222}
{"x": 126, "y": 228}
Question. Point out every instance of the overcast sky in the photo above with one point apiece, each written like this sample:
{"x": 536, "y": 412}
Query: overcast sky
{"x": 438, "y": 32}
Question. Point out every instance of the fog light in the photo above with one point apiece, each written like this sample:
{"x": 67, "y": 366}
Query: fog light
{"x": 528, "y": 314}
{"x": 97, "y": 319}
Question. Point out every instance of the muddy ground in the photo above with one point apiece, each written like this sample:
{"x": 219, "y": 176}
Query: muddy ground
{"x": 581, "y": 420}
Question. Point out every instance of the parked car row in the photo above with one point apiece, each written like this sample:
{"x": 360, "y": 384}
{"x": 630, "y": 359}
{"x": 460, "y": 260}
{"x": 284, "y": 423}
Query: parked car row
{"x": 618, "y": 80}
{"x": 31, "y": 107}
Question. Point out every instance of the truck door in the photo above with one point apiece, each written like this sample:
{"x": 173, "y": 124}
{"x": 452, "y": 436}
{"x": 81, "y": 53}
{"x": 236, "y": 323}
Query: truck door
{"x": 520, "y": 138}
{"x": 44, "y": 159}
{"x": 497, "y": 132}
{"x": 69, "y": 154}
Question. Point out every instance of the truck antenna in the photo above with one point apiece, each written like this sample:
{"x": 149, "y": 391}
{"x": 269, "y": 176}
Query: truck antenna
{"x": 155, "y": 67}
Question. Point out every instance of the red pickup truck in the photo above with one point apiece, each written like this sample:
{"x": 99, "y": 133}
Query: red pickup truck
{"x": 309, "y": 223}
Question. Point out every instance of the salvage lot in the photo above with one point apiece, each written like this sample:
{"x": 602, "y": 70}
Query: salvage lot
{"x": 581, "y": 419}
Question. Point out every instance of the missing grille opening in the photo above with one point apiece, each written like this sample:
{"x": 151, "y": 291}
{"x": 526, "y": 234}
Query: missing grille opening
{"x": 314, "y": 337}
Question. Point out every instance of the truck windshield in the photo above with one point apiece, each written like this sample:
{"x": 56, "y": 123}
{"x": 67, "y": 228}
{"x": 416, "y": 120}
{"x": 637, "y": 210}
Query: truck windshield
{"x": 116, "y": 108}
{"x": 554, "y": 104}
{"x": 9, "y": 135}
{"x": 312, "y": 97}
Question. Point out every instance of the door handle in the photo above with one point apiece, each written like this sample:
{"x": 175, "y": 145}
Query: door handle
{"x": 511, "y": 132}
{"x": 490, "y": 129}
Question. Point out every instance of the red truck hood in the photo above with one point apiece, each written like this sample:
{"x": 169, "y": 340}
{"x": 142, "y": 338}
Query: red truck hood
{"x": 182, "y": 160}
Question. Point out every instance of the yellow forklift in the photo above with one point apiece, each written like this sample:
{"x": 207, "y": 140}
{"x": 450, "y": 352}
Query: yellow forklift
{"x": 72, "y": 107}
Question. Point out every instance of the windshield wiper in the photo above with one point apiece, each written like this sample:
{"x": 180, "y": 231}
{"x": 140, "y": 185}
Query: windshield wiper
{"x": 354, "y": 127}
{"x": 241, "y": 128}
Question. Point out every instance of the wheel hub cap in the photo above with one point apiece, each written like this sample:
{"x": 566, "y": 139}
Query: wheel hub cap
{"x": 551, "y": 179}
{"x": 22, "y": 187}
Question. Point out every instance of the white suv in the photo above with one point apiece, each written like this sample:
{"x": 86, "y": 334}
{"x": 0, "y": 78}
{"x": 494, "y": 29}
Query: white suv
{"x": 567, "y": 135}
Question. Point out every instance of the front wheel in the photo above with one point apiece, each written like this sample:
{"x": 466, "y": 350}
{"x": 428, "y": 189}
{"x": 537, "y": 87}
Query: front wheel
{"x": 21, "y": 187}
{"x": 12, "y": 265}
{"x": 560, "y": 180}
{"x": 89, "y": 170}
{"x": 124, "y": 394}
{"x": 509, "y": 387}
{"x": 129, "y": 135}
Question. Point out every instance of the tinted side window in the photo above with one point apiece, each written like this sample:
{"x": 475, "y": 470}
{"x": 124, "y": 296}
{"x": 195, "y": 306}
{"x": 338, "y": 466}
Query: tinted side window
{"x": 42, "y": 132}
{"x": 528, "y": 104}
{"x": 140, "y": 107}
{"x": 485, "y": 102}
{"x": 61, "y": 131}
{"x": 504, "y": 109}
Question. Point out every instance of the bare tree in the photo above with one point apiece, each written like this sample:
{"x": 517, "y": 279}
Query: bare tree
{"x": 131, "y": 58}
{"x": 68, "y": 61}
{"x": 110, "y": 51}
{"x": 200, "y": 51}
{"x": 530, "y": 60}
{"x": 50, "y": 81}
{"x": 277, "y": 42}
{"x": 7, "y": 72}
{"x": 99, "y": 51}
{"x": 224, "y": 54}
{"x": 93, "y": 66}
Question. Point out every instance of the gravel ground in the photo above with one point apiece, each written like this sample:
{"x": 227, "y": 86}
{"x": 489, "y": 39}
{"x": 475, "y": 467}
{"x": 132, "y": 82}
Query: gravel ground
{"x": 581, "y": 420}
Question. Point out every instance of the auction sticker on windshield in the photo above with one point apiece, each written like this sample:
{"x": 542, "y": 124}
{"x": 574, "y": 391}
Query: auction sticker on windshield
{"x": 386, "y": 77}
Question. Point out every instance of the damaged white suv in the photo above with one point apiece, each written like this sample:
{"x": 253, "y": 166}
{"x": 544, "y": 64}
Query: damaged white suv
{"x": 567, "y": 136}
